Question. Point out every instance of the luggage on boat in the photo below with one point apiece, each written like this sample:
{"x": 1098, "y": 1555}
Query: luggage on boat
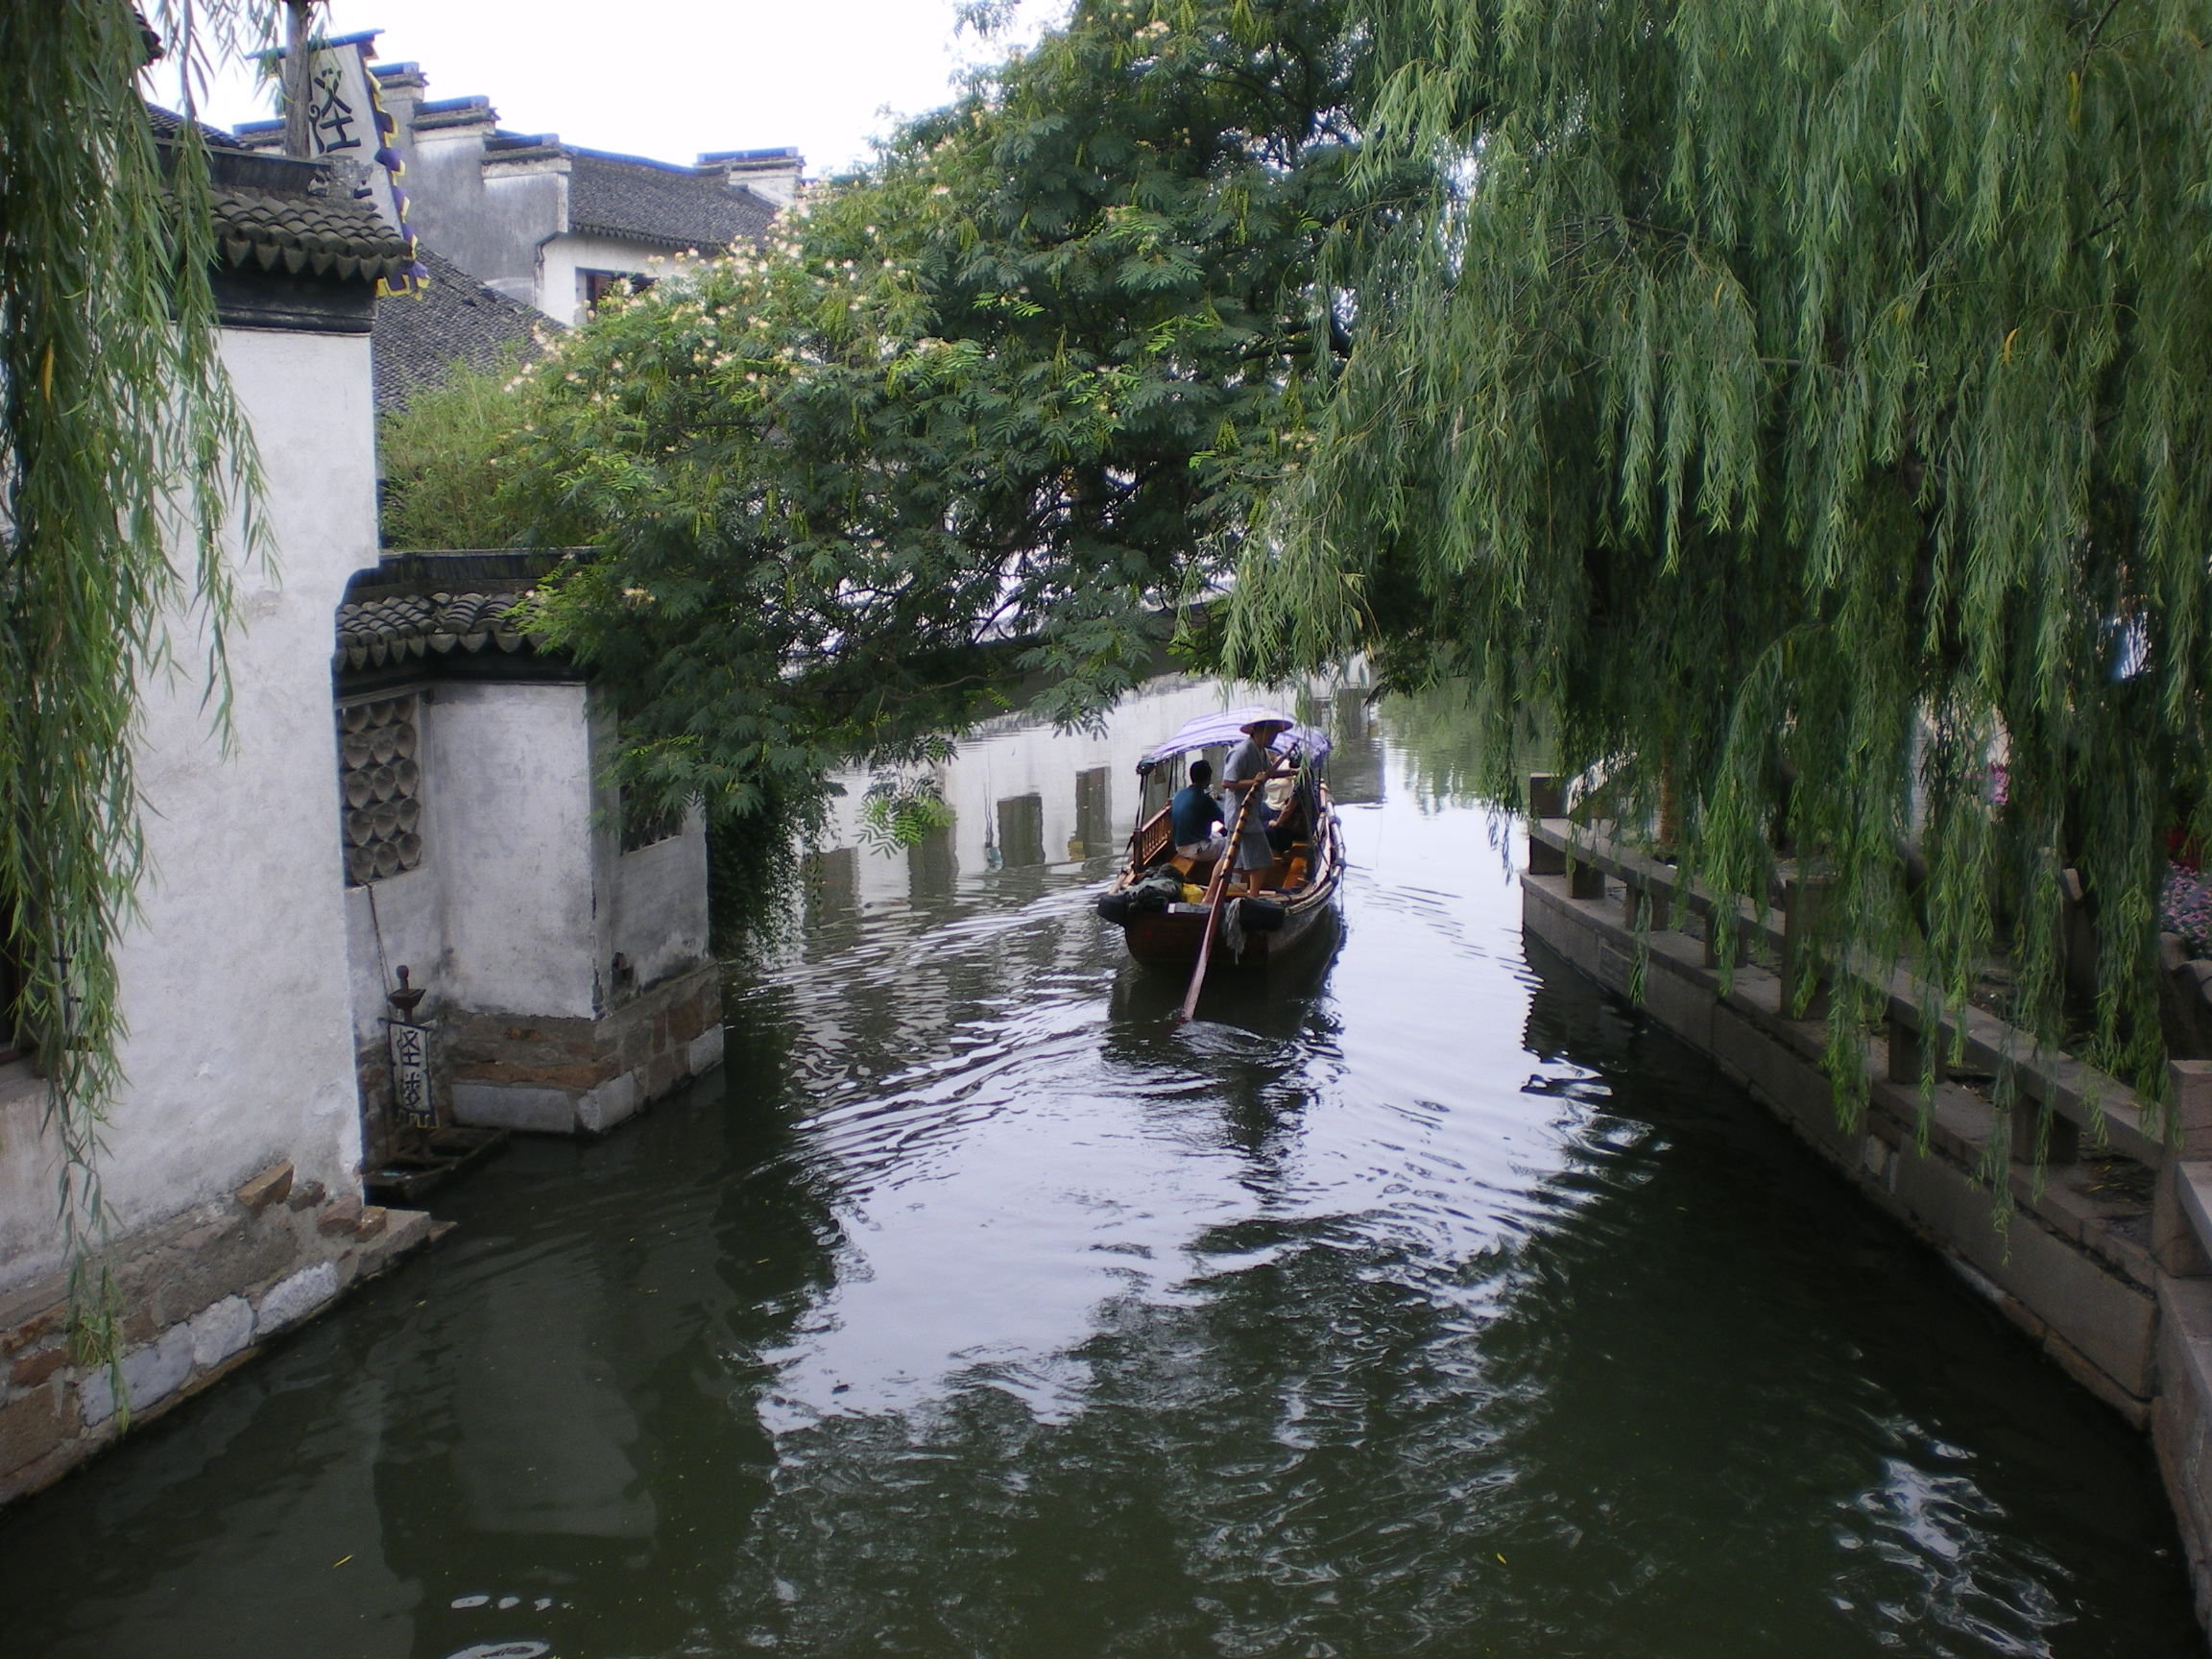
{"x": 1155, "y": 892}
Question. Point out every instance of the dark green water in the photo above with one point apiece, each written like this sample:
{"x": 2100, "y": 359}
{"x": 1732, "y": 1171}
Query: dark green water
{"x": 1420, "y": 1303}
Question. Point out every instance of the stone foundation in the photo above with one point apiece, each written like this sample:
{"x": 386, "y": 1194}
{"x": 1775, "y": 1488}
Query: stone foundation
{"x": 199, "y": 1294}
{"x": 569, "y": 1076}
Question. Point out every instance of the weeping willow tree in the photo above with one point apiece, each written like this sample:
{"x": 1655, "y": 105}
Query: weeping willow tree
{"x": 1801, "y": 413}
{"x": 122, "y": 461}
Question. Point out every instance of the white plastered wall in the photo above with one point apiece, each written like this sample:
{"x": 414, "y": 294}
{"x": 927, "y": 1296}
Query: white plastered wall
{"x": 563, "y": 259}
{"x": 508, "y": 767}
{"x": 523, "y": 899}
{"x": 397, "y": 921}
{"x": 239, "y": 1053}
{"x": 659, "y": 903}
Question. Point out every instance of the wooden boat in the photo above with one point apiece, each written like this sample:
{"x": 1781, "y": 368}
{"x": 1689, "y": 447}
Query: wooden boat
{"x": 1278, "y": 911}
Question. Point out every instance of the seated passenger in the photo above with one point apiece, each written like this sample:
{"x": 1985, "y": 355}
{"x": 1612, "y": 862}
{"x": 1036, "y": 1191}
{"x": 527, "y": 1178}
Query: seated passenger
{"x": 1195, "y": 817}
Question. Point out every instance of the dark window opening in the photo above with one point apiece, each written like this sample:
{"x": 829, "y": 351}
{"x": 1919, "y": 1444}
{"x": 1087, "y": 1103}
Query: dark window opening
{"x": 1022, "y": 832}
{"x": 598, "y": 284}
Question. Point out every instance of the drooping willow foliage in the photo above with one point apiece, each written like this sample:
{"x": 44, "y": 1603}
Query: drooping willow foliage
{"x": 1803, "y": 408}
{"x": 122, "y": 461}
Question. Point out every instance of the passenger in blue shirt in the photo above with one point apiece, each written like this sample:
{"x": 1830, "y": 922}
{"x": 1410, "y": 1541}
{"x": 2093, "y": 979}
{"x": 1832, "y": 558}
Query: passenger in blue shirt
{"x": 1197, "y": 816}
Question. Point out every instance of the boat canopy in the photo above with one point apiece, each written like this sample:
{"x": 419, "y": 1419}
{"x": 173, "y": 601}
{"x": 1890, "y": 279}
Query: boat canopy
{"x": 1227, "y": 726}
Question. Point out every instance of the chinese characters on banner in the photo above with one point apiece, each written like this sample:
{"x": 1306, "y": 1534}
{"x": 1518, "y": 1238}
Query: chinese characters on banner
{"x": 349, "y": 127}
{"x": 411, "y": 1104}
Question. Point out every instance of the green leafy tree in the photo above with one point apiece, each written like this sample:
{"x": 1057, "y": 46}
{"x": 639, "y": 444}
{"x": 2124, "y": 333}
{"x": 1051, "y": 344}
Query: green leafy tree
{"x": 982, "y": 411}
{"x": 122, "y": 458}
{"x": 440, "y": 487}
{"x": 1800, "y": 411}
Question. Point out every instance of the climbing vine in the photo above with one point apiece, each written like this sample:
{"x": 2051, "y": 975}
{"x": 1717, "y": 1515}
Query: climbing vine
{"x": 1798, "y": 414}
{"x": 123, "y": 462}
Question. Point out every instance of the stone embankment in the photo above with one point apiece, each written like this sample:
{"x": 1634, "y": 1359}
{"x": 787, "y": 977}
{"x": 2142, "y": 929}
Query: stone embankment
{"x": 197, "y": 1296}
{"x": 2106, "y": 1259}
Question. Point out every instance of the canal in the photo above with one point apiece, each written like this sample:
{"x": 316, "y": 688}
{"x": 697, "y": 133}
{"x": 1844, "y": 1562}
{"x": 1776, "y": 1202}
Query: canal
{"x": 1415, "y": 1302}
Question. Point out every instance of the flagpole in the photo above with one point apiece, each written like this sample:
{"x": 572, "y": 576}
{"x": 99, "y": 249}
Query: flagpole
{"x": 295, "y": 82}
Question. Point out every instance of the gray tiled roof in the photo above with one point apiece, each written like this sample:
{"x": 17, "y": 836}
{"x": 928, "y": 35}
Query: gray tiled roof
{"x": 169, "y": 126}
{"x": 457, "y": 320}
{"x": 671, "y": 206}
{"x": 397, "y": 627}
{"x": 276, "y": 214}
{"x": 321, "y": 234}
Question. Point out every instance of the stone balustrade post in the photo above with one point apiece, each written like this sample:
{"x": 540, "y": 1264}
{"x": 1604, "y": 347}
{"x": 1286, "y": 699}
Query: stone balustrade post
{"x": 1546, "y": 798}
{"x": 1646, "y": 904}
{"x": 2061, "y": 1138}
{"x": 2174, "y": 1239}
{"x": 1803, "y": 900}
{"x": 1907, "y": 1055}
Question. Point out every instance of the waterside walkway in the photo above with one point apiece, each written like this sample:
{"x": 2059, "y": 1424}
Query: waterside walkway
{"x": 2106, "y": 1258}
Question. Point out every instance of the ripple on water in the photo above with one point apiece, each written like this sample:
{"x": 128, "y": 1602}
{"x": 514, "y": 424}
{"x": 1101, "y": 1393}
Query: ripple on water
{"x": 1415, "y": 1302}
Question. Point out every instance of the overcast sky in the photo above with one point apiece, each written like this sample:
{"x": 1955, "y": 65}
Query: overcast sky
{"x": 669, "y": 79}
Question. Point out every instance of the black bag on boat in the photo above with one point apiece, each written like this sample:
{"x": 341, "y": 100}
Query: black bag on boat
{"x": 1262, "y": 915}
{"x": 1156, "y": 892}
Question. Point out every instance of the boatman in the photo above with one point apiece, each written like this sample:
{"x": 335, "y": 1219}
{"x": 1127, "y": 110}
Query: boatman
{"x": 1195, "y": 817}
{"x": 1249, "y": 766}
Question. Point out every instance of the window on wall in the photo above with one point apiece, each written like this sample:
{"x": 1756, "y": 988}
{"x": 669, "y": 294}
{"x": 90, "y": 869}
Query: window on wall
{"x": 381, "y": 783}
{"x": 643, "y": 828}
{"x": 596, "y": 285}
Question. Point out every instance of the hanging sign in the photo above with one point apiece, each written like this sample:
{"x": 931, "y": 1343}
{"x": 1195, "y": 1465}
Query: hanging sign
{"x": 348, "y": 127}
{"x": 410, "y": 1103}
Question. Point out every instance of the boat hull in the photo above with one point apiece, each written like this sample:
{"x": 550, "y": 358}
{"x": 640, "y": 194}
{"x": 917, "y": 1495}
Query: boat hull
{"x": 1170, "y": 938}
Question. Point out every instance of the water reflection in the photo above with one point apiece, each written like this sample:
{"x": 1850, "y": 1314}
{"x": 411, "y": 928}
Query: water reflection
{"x": 1356, "y": 764}
{"x": 1415, "y": 1300}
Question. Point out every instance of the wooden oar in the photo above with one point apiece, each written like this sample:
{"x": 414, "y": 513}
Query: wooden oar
{"x": 1213, "y": 899}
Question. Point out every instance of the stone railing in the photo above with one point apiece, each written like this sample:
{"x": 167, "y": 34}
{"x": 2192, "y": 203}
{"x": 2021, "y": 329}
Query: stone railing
{"x": 2093, "y": 1236}
{"x": 2081, "y": 1100}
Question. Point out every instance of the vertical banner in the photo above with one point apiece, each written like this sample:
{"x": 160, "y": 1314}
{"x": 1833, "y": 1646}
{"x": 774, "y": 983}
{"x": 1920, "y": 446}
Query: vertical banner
{"x": 348, "y": 126}
{"x": 410, "y": 1103}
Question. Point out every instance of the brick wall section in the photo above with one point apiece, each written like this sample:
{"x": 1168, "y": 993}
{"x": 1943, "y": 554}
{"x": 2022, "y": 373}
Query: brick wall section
{"x": 200, "y": 1295}
{"x": 561, "y": 1076}
{"x": 379, "y": 1133}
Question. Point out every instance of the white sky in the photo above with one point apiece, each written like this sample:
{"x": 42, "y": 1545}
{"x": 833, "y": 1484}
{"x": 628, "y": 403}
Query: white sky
{"x": 669, "y": 79}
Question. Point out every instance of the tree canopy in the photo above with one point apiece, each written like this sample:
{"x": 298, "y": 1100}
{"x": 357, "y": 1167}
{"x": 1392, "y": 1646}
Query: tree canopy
{"x": 1798, "y": 411}
{"x": 989, "y": 407}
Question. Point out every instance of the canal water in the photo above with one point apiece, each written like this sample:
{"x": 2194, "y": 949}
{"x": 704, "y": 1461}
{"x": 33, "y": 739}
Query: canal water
{"x": 1416, "y": 1301}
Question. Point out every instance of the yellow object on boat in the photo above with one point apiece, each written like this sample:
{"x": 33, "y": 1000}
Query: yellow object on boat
{"x": 1192, "y": 894}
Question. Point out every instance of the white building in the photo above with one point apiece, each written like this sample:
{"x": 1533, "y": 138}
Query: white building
{"x": 232, "y": 1161}
{"x": 564, "y": 951}
{"x": 555, "y": 225}
{"x": 408, "y": 783}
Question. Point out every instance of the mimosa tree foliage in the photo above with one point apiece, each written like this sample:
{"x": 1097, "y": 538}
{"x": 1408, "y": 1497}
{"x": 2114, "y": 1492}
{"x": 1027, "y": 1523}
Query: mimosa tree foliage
{"x": 982, "y": 410}
{"x": 1805, "y": 406}
{"x": 121, "y": 456}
